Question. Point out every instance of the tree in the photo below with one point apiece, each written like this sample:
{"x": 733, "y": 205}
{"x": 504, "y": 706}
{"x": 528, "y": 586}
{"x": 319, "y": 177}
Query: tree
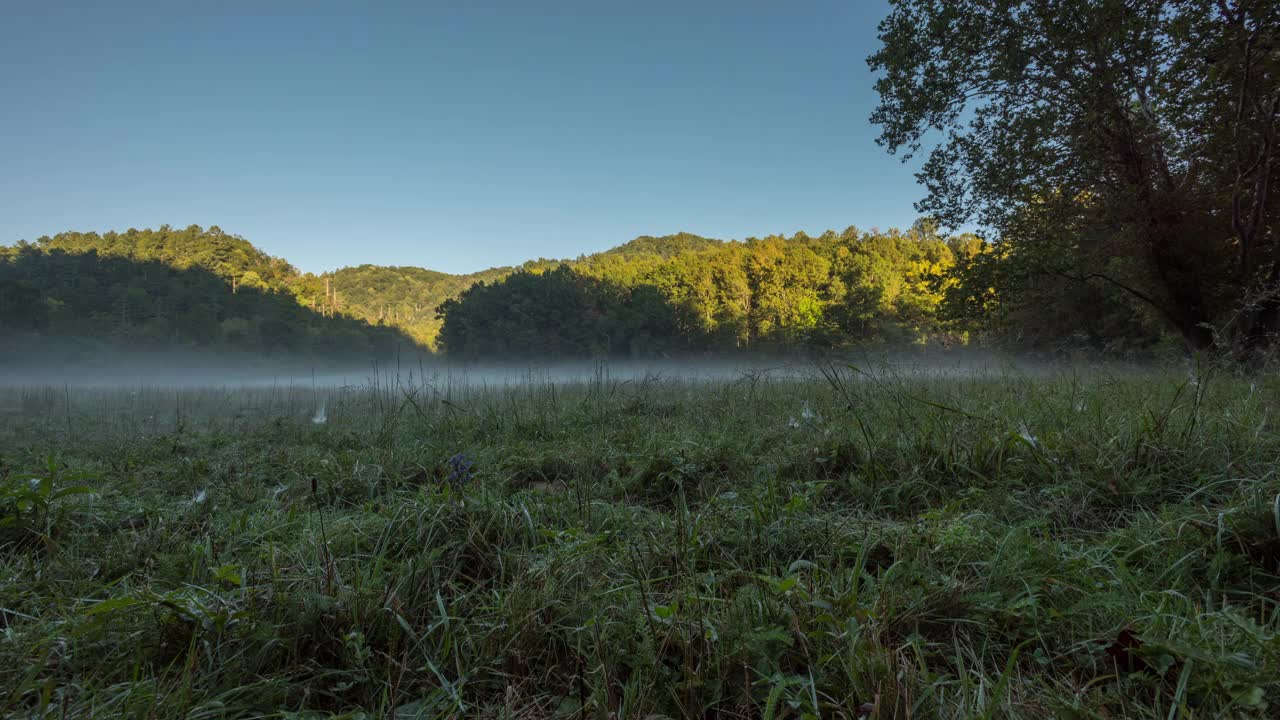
{"x": 65, "y": 287}
{"x": 1026, "y": 310}
{"x": 652, "y": 296}
{"x": 1096, "y": 130}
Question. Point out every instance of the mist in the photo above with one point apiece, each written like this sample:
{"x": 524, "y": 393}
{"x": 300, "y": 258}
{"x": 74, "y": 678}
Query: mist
{"x": 116, "y": 367}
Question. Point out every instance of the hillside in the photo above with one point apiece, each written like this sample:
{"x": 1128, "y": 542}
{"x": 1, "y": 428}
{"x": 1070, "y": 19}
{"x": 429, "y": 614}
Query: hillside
{"x": 404, "y": 297}
{"x": 667, "y": 246}
{"x": 125, "y": 267}
{"x": 685, "y": 293}
{"x": 226, "y": 256}
{"x": 167, "y": 288}
{"x": 650, "y": 296}
{"x": 103, "y": 300}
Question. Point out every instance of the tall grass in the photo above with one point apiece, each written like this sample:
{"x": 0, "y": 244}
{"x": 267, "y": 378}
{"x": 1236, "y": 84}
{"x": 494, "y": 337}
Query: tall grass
{"x": 854, "y": 544}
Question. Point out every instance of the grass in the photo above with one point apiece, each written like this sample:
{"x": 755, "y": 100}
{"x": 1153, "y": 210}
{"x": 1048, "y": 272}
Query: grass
{"x": 1099, "y": 544}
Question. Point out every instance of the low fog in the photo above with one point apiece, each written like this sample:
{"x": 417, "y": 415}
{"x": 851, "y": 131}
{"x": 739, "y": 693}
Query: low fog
{"x": 203, "y": 369}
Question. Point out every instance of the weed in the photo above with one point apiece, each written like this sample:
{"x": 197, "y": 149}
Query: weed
{"x": 34, "y": 508}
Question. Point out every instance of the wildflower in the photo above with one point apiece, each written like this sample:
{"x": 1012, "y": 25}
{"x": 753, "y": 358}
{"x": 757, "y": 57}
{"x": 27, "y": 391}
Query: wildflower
{"x": 199, "y": 498}
{"x": 460, "y": 470}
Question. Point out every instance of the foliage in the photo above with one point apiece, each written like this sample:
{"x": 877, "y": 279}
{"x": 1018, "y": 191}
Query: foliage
{"x": 1122, "y": 144}
{"x": 558, "y": 313}
{"x": 682, "y": 293}
{"x": 650, "y": 296}
{"x": 653, "y": 296}
{"x": 404, "y": 297}
{"x": 168, "y": 288}
{"x": 1006, "y": 299}
{"x": 33, "y": 507}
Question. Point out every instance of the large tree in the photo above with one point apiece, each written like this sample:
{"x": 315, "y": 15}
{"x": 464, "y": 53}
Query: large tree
{"x": 1131, "y": 143}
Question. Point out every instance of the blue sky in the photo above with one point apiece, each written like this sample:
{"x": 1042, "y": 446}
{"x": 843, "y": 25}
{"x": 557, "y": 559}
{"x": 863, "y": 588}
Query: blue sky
{"x": 452, "y": 135}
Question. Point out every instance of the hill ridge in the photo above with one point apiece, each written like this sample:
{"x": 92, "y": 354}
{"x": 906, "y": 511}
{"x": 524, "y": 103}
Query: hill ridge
{"x": 834, "y": 288}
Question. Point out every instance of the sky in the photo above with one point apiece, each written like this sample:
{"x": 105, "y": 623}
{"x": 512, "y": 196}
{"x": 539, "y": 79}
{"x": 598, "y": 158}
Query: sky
{"x": 450, "y": 135}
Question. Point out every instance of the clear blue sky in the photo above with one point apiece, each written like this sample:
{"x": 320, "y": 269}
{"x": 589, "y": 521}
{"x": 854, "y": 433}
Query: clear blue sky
{"x": 451, "y": 135}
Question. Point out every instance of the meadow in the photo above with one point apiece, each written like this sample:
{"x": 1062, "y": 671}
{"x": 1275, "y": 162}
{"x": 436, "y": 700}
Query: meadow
{"x": 1076, "y": 543}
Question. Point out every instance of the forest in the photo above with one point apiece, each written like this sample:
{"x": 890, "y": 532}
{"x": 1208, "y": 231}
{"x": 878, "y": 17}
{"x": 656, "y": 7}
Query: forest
{"x": 653, "y": 296}
{"x": 191, "y": 289}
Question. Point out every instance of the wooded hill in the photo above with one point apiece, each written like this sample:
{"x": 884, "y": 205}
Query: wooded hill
{"x": 192, "y": 288}
{"x": 680, "y": 293}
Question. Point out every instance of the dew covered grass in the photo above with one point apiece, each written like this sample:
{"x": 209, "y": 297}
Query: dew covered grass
{"x": 1080, "y": 544}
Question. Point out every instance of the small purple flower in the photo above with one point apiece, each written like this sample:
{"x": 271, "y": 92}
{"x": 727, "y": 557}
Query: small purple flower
{"x": 460, "y": 470}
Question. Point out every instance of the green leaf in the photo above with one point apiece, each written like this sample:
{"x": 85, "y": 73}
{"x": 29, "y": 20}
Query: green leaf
{"x": 73, "y": 490}
{"x": 118, "y": 603}
{"x": 228, "y": 574}
{"x": 1254, "y": 697}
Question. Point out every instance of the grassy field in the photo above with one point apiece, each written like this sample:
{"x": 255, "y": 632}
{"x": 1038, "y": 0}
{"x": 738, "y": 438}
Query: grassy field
{"x": 1093, "y": 544}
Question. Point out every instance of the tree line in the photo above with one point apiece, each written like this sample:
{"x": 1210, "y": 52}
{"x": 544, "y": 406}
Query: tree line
{"x": 170, "y": 288}
{"x": 652, "y": 296}
{"x": 685, "y": 293}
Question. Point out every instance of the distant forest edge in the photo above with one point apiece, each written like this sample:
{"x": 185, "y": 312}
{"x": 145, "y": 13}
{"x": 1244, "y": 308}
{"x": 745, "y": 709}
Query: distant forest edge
{"x": 165, "y": 289}
{"x": 206, "y": 289}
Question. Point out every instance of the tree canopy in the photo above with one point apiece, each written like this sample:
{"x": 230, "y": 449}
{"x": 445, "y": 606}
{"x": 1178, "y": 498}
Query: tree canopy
{"x": 652, "y": 296}
{"x": 684, "y": 293}
{"x": 190, "y": 288}
{"x": 1115, "y": 143}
